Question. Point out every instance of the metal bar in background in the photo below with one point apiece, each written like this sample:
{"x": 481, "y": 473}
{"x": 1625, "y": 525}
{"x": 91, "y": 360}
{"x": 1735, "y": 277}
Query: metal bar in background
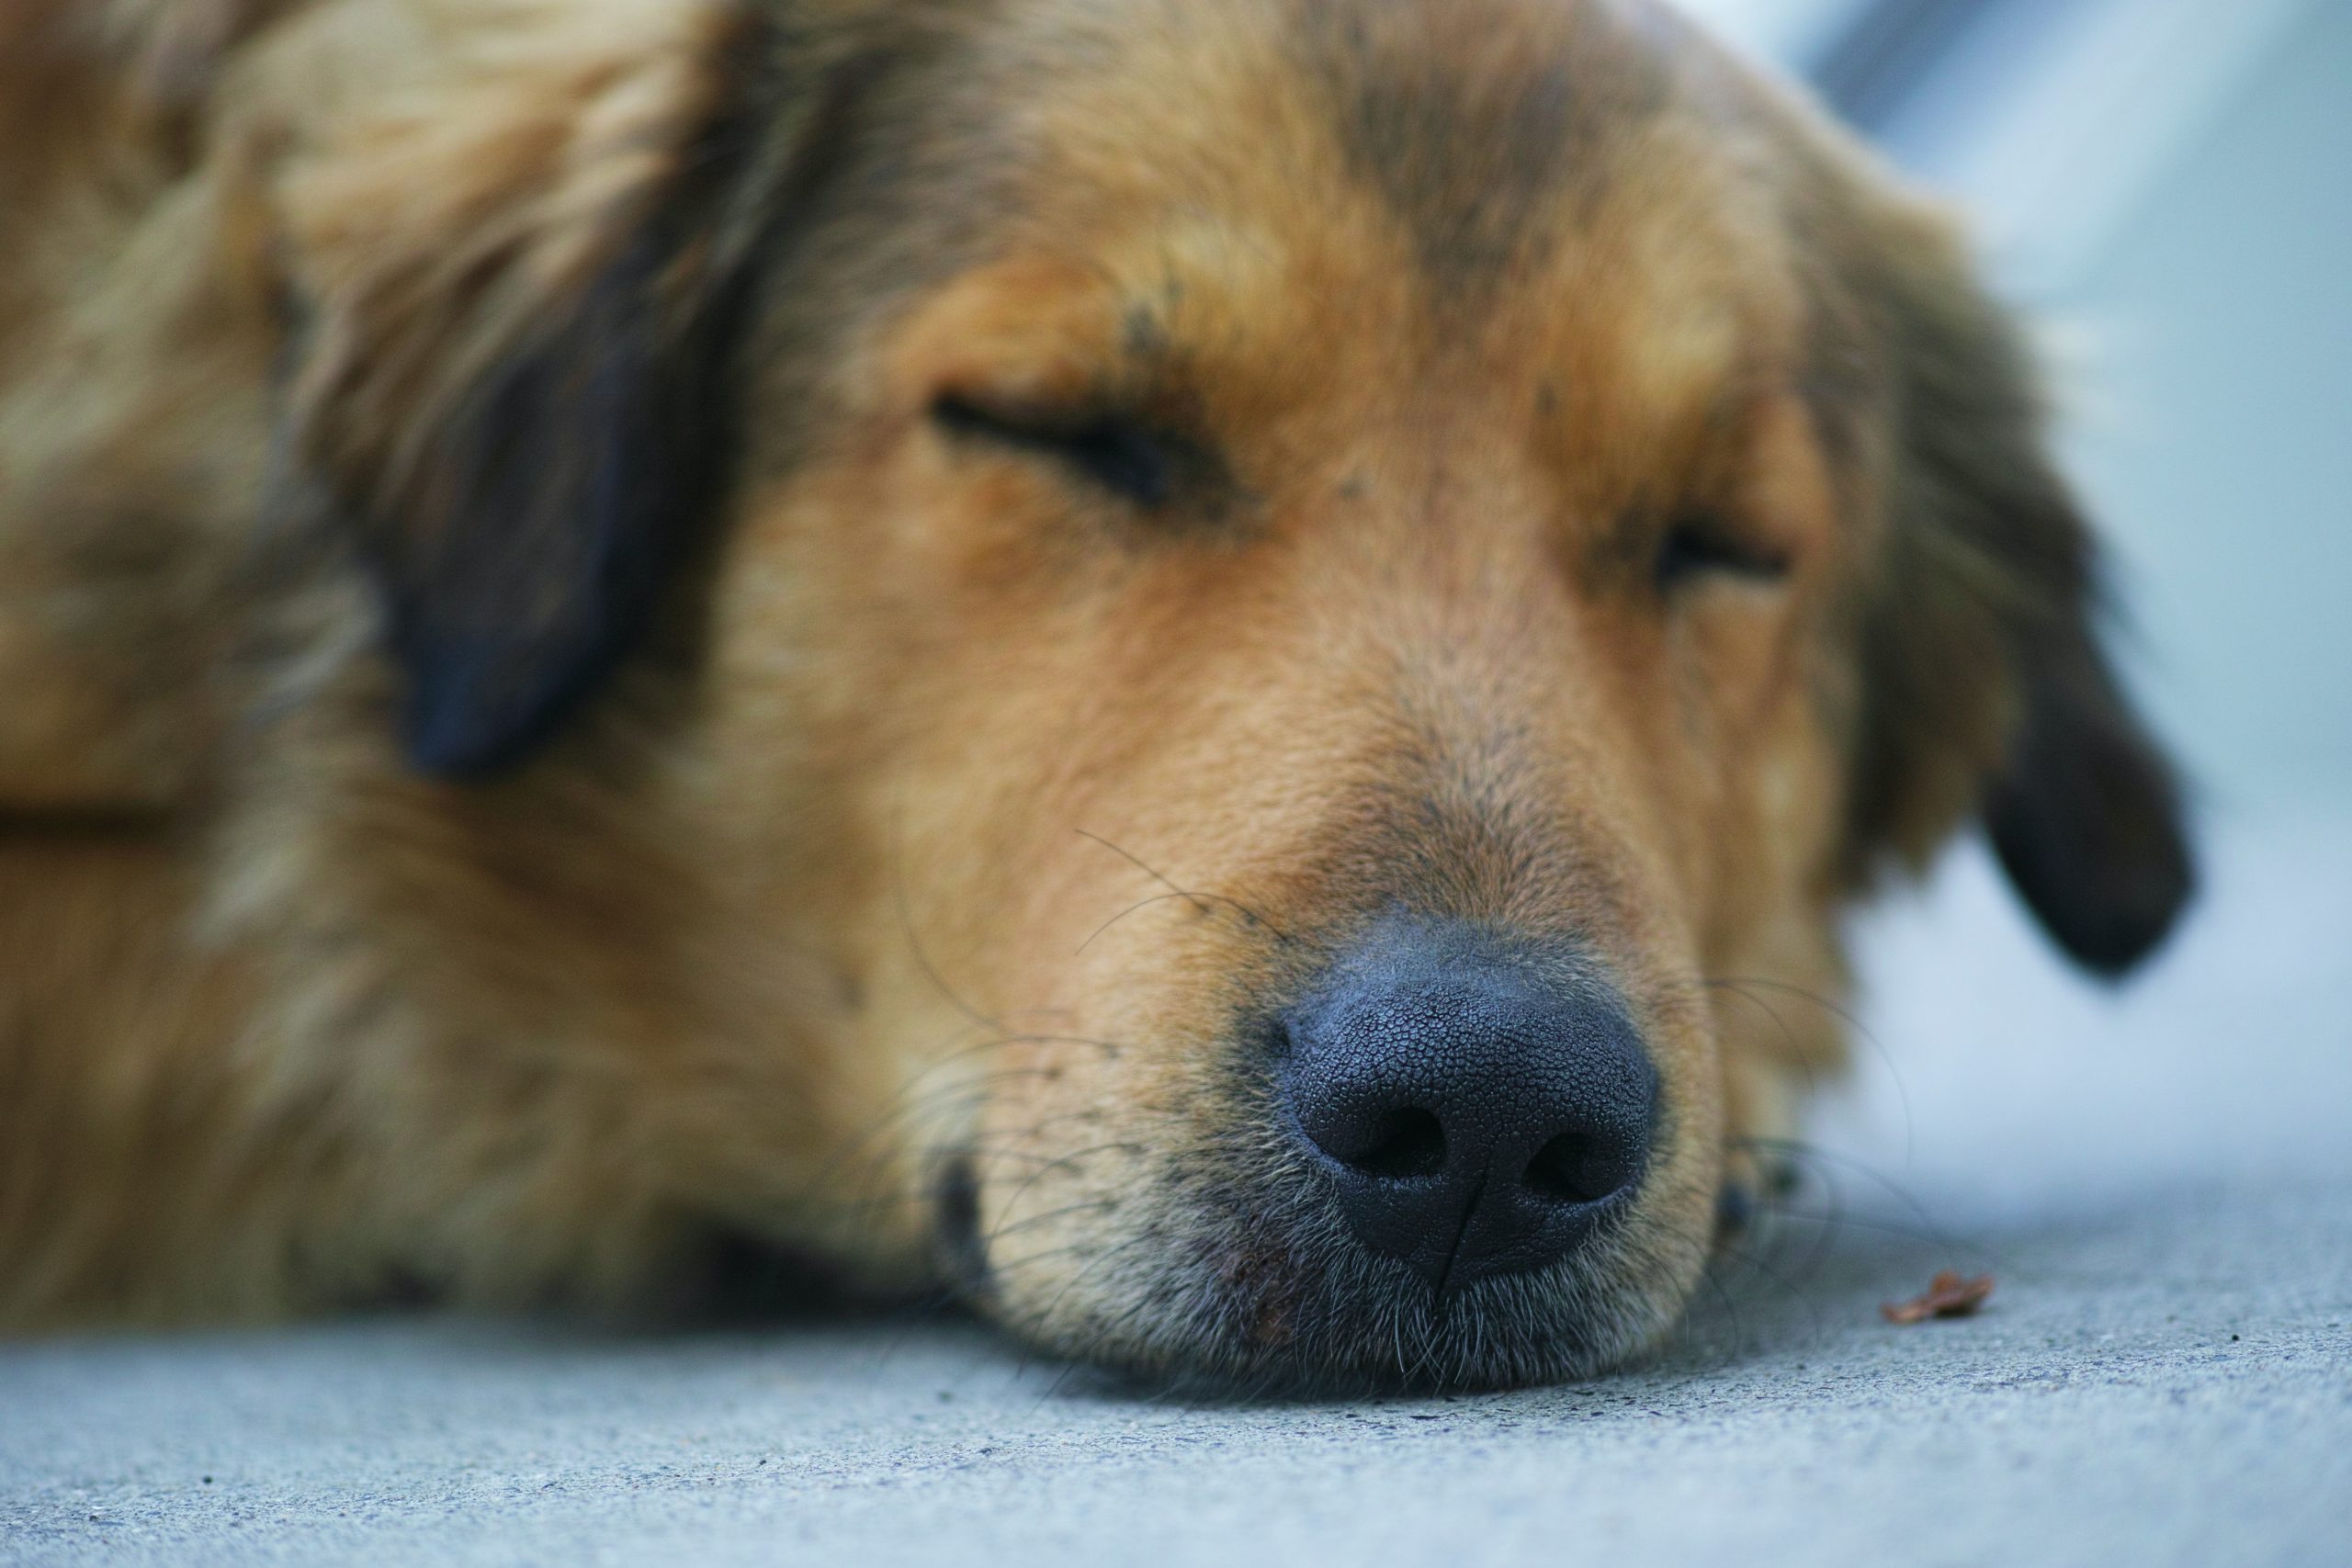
{"x": 2050, "y": 120}
{"x": 1868, "y": 71}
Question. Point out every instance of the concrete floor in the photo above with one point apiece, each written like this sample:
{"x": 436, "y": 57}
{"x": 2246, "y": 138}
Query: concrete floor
{"x": 2162, "y": 1183}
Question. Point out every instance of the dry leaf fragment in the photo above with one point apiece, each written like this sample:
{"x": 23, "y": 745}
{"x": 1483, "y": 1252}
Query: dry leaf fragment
{"x": 1947, "y": 1295}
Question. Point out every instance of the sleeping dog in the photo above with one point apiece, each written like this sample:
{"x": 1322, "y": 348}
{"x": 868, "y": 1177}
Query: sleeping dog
{"x": 1212, "y": 670}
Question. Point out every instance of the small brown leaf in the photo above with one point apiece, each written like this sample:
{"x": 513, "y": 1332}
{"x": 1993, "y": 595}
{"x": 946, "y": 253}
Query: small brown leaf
{"x": 1947, "y": 1295}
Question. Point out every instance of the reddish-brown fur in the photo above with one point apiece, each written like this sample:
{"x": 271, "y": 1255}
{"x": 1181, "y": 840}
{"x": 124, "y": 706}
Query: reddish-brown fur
{"x": 532, "y": 753}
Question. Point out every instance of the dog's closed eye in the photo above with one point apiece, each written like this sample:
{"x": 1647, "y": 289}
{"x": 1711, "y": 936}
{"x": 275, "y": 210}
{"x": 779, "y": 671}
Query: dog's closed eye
{"x": 1121, "y": 454}
{"x": 1700, "y": 545}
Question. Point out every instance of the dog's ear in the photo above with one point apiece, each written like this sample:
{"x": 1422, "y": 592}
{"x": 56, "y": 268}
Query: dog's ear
{"x": 2086, "y": 814}
{"x": 1986, "y": 687}
{"x": 517, "y": 294}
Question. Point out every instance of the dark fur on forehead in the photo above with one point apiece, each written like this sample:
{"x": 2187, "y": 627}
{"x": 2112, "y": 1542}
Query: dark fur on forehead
{"x": 1472, "y": 120}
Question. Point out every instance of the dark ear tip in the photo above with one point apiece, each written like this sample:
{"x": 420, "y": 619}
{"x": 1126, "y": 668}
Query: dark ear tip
{"x": 473, "y": 716}
{"x": 2107, "y": 872}
{"x": 443, "y": 751}
{"x": 2114, "y": 931}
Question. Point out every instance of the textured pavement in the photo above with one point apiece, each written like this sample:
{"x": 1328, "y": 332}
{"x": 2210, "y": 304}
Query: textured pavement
{"x": 2162, "y": 1182}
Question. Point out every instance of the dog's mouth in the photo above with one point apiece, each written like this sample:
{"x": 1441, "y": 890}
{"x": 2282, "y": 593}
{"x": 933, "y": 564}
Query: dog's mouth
{"x": 1437, "y": 1168}
{"x": 1262, "y": 1288}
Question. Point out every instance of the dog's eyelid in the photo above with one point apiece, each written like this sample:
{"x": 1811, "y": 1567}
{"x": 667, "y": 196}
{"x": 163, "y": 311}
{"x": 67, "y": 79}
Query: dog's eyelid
{"x": 1117, "y": 451}
{"x": 1698, "y": 543}
{"x": 1016, "y": 419}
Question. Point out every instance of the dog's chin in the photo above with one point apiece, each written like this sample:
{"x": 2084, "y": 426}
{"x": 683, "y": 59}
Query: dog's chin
{"x": 1273, "y": 1306}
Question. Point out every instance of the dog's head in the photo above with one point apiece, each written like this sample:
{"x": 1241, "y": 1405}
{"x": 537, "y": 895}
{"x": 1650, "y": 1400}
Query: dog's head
{"x": 1307, "y": 612}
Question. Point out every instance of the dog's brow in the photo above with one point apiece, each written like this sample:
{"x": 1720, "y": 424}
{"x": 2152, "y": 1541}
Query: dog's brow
{"x": 1474, "y": 132}
{"x": 1405, "y": 139}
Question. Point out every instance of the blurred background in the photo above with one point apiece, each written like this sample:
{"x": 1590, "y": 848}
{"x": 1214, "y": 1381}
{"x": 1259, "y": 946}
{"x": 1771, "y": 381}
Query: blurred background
{"x": 2166, "y": 187}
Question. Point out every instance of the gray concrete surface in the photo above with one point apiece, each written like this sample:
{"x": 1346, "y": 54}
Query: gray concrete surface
{"x": 2161, "y": 1183}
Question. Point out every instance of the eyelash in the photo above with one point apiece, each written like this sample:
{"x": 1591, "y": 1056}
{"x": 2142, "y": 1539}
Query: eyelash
{"x": 1143, "y": 467}
{"x": 1121, "y": 456}
{"x": 1703, "y": 545}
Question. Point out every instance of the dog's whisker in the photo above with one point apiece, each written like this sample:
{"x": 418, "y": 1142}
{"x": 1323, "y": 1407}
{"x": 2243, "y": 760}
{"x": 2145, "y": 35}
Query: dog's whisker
{"x": 913, "y": 1097}
{"x": 1136, "y": 907}
{"x": 1824, "y": 1159}
{"x": 913, "y": 938}
{"x": 1091, "y": 1205}
{"x": 1070, "y": 1162}
{"x": 1200, "y": 901}
{"x": 844, "y": 1158}
{"x": 1802, "y": 1058}
{"x": 1856, "y": 1028}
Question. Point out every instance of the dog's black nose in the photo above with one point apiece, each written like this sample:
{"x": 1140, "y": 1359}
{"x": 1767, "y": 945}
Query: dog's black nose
{"x": 1478, "y": 1104}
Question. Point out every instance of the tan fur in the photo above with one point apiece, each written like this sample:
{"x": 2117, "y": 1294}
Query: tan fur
{"x": 948, "y": 819}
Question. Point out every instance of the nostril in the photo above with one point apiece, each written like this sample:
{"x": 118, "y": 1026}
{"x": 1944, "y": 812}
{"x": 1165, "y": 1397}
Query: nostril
{"x": 1470, "y": 1104}
{"x": 1577, "y": 1168}
{"x": 1407, "y": 1143}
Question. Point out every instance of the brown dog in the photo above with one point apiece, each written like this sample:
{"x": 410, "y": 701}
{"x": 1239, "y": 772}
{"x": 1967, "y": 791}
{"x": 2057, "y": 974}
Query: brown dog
{"x": 1213, "y": 668}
